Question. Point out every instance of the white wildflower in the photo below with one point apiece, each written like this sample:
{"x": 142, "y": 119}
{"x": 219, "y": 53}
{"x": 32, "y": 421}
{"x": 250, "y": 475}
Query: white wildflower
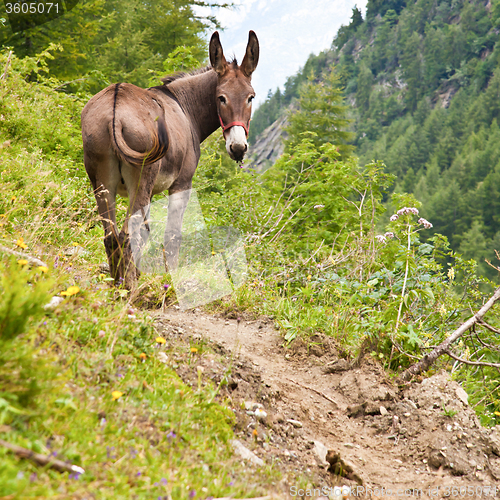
{"x": 408, "y": 210}
{"x": 319, "y": 207}
{"x": 381, "y": 238}
{"x": 394, "y": 217}
{"x": 425, "y": 223}
{"x": 389, "y": 235}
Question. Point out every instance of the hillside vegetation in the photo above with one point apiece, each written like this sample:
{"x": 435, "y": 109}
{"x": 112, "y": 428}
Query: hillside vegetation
{"x": 423, "y": 79}
{"x": 92, "y": 382}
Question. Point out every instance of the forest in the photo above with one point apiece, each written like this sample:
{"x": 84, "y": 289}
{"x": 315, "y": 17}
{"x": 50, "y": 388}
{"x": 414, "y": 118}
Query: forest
{"x": 371, "y": 230}
{"x": 423, "y": 81}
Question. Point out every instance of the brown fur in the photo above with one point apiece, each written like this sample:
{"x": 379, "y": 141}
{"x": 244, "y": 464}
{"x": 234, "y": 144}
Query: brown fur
{"x": 140, "y": 142}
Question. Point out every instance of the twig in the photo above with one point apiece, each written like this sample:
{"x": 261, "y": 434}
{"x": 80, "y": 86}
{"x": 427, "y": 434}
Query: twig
{"x": 40, "y": 459}
{"x": 489, "y": 327}
{"x": 473, "y": 363}
{"x": 70, "y": 82}
{"x": 328, "y": 398}
{"x": 32, "y": 260}
{"x": 443, "y": 348}
{"x": 4, "y": 76}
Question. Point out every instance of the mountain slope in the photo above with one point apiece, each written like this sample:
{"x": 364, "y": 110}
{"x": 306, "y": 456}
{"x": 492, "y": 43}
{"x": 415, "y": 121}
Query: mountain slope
{"x": 423, "y": 79}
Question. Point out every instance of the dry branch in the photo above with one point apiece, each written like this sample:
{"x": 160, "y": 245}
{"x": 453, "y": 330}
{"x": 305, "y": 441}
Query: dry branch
{"x": 40, "y": 459}
{"x": 443, "y": 348}
{"x": 32, "y": 260}
{"x": 4, "y": 76}
{"x": 489, "y": 327}
{"x": 472, "y": 363}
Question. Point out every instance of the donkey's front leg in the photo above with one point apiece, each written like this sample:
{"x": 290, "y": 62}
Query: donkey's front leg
{"x": 177, "y": 204}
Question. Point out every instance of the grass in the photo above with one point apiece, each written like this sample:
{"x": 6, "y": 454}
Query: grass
{"x": 84, "y": 382}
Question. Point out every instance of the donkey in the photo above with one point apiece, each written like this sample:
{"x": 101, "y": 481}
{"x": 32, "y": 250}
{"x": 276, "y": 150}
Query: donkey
{"x": 140, "y": 142}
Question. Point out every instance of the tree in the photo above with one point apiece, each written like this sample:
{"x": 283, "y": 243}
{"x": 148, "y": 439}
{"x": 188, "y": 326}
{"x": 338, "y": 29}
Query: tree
{"x": 123, "y": 40}
{"x": 323, "y": 112}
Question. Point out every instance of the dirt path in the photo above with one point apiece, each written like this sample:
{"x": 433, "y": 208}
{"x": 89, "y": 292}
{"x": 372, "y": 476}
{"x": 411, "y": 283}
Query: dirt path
{"x": 424, "y": 437}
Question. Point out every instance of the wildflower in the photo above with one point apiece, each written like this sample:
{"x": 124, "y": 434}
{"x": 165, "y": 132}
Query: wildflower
{"x": 166, "y": 287}
{"x": 451, "y": 273}
{"x": 171, "y": 435}
{"x": 160, "y": 340}
{"x": 408, "y": 210}
{"x": 142, "y": 356}
{"x": 192, "y": 494}
{"x": 43, "y": 269}
{"x": 102, "y": 276}
{"x": 389, "y": 235}
{"x": 394, "y": 217}
{"x": 13, "y": 199}
{"x": 425, "y": 223}
{"x": 194, "y": 349}
{"x": 380, "y": 238}
{"x": 22, "y": 262}
{"x": 309, "y": 278}
{"x": 442, "y": 310}
{"x": 319, "y": 207}
{"x": 116, "y": 395}
{"x": 72, "y": 290}
{"x": 20, "y": 243}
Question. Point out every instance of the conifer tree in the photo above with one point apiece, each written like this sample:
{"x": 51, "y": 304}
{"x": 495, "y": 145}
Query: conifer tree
{"x": 323, "y": 112}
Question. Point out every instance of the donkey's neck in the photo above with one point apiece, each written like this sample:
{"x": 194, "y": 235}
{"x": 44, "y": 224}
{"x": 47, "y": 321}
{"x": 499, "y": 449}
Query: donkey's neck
{"x": 196, "y": 95}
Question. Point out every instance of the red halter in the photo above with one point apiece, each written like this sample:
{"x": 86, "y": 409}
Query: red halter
{"x": 233, "y": 124}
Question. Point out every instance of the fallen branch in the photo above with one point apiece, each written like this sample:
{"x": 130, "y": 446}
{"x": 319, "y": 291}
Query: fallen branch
{"x": 473, "y": 363}
{"x": 489, "y": 327}
{"x": 32, "y": 260}
{"x": 443, "y": 348}
{"x": 44, "y": 460}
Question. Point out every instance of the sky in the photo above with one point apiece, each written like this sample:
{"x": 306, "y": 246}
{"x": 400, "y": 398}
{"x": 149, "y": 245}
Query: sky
{"x": 288, "y": 32}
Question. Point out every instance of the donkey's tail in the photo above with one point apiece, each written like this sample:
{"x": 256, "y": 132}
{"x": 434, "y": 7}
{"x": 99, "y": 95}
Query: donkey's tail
{"x": 159, "y": 139}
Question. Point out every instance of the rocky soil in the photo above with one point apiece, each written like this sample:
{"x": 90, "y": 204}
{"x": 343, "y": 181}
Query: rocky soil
{"x": 327, "y": 423}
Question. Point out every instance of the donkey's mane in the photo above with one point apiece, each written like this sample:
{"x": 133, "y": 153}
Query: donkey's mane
{"x": 181, "y": 74}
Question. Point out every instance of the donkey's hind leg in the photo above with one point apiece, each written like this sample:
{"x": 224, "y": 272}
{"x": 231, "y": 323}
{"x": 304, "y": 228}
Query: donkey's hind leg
{"x": 105, "y": 176}
{"x": 135, "y": 231}
{"x": 177, "y": 204}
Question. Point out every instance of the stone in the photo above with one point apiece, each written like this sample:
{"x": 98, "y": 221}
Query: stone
{"x": 246, "y": 454}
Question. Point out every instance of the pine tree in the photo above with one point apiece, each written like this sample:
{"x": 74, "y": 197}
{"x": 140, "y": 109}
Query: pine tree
{"x": 323, "y": 112}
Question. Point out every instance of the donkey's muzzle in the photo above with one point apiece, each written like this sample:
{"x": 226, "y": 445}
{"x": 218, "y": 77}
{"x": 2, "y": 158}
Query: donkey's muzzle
{"x": 236, "y": 143}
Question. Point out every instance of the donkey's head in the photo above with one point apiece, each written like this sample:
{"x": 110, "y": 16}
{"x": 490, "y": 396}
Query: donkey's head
{"x": 235, "y": 93}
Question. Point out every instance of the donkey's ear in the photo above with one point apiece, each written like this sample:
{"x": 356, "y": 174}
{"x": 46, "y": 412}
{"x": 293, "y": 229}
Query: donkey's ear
{"x": 251, "y": 58}
{"x": 217, "y": 59}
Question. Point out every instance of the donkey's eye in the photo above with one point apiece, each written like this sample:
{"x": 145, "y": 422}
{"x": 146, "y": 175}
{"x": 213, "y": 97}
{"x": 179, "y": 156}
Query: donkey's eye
{"x": 222, "y": 99}
{"x": 250, "y": 99}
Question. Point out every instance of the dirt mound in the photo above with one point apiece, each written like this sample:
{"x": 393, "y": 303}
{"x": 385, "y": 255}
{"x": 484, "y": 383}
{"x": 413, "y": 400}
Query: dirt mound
{"x": 327, "y": 422}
